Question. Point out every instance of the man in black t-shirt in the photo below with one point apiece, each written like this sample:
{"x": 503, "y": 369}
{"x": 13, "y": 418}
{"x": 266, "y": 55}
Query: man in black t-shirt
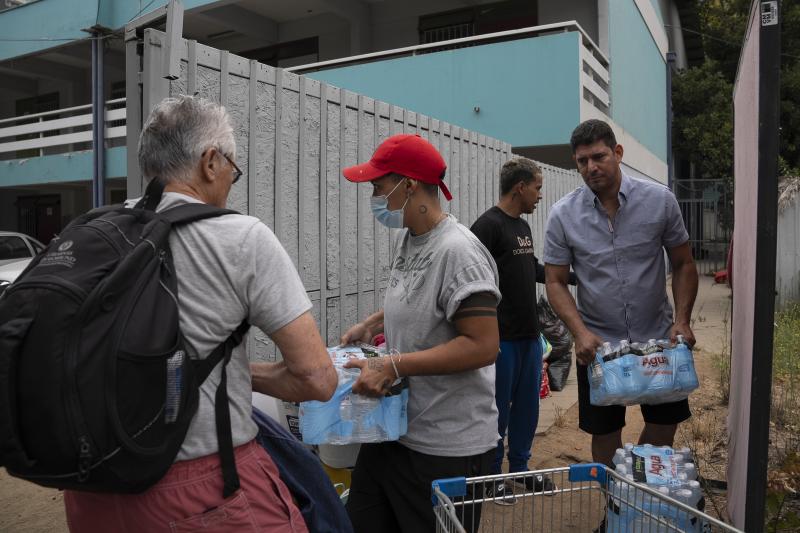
{"x": 519, "y": 365}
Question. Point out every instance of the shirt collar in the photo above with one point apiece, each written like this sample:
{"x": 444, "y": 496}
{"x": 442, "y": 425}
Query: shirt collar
{"x": 624, "y": 191}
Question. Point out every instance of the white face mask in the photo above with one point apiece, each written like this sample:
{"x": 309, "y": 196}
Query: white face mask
{"x": 380, "y": 209}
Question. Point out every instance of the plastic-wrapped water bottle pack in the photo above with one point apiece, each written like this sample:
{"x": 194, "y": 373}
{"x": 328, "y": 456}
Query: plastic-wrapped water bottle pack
{"x": 352, "y": 418}
{"x": 634, "y": 373}
{"x": 671, "y": 472}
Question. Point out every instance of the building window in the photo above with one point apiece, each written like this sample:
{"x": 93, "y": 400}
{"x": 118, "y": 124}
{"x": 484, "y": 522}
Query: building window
{"x": 448, "y": 25}
{"x": 478, "y": 20}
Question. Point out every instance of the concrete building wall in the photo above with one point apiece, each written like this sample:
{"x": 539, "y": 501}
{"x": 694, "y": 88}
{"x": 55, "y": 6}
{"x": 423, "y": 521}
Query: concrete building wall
{"x": 526, "y": 91}
{"x": 638, "y": 78}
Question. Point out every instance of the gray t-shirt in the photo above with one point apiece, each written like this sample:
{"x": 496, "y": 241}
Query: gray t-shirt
{"x": 450, "y": 415}
{"x": 230, "y": 268}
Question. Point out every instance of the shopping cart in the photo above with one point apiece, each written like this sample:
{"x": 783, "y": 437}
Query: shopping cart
{"x": 587, "y": 497}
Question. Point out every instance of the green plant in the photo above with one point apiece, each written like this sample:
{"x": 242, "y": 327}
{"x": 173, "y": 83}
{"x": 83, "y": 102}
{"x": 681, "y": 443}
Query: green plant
{"x": 722, "y": 362}
{"x": 782, "y": 509}
{"x": 785, "y": 412}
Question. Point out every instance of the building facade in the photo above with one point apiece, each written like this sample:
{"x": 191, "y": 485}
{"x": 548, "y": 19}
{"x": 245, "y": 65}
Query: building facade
{"x": 524, "y": 71}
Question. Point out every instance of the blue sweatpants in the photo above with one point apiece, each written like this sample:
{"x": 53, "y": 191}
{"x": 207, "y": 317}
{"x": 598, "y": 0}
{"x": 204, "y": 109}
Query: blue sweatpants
{"x": 518, "y": 372}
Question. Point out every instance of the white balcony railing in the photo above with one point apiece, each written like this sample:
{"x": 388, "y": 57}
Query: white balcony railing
{"x": 57, "y": 131}
{"x": 595, "y": 81}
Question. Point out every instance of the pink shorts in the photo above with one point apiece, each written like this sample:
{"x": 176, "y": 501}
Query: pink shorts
{"x": 189, "y": 498}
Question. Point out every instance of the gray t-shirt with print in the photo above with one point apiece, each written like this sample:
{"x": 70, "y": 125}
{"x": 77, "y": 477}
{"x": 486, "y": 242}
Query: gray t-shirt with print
{"x": 448, "y": 415}
{"x": 230, "y": 268}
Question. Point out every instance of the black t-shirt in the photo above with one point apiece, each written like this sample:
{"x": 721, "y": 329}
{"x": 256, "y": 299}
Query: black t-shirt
{"x": 509, "y": 241}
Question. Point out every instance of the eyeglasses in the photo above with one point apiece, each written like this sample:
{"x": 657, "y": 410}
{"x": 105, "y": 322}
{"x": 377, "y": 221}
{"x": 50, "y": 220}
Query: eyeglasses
{"x": 237, "y": 172}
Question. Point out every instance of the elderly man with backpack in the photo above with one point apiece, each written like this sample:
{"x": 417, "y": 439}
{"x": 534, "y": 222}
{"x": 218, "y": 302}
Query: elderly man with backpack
{"x": 125, "y": 339}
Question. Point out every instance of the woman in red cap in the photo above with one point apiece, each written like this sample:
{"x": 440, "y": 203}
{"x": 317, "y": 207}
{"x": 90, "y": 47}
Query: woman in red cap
{"x": 440, "y": 314}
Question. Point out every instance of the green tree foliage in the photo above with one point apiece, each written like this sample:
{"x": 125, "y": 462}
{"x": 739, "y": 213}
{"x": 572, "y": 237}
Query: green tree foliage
{"x": 703, "y": 126}
{"x": 702, "y": 96}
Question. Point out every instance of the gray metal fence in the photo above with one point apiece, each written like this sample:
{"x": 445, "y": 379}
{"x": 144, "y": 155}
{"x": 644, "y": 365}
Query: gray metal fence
{"x": 707, "y": 212}
{"x": 294, "y": 135}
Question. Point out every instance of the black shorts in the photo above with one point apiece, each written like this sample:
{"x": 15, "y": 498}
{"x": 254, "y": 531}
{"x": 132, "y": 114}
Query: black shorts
{"x": 391, "y": 488}
{"x": 600, "y": 420}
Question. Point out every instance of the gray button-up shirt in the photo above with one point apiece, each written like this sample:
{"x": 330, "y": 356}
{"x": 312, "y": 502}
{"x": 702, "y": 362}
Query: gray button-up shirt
{"x": 619, "y": 262}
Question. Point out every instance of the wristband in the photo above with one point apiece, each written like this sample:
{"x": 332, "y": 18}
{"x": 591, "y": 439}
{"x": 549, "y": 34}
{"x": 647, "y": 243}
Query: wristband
{"x": 396, "y": 373}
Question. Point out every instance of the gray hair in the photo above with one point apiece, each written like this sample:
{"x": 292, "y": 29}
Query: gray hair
{"x": 177, "y": 133}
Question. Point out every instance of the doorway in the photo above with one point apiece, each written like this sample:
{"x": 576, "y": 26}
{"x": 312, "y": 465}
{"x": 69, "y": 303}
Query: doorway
{"x": 39, "y": 216}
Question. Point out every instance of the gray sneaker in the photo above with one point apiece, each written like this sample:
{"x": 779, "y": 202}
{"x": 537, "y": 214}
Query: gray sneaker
{"x": 500, "y": 493}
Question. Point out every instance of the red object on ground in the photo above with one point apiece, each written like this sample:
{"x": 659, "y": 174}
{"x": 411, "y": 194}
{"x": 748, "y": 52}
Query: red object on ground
{"x": 544, "y": 390}
{"x": 721, "y": 276}
{"x": 730, "y": 264}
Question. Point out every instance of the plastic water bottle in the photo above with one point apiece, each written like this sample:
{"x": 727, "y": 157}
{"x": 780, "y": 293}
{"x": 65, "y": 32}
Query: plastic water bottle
{"x": 683, "y": 496}
{"x": 364, "y": 430}
{"x": 596, "y": 374}
{"x": 697, "y": 492}
{"x": 686, "y": 453}
{"x": 628, "y": 448}
{"x": 691, "y": 471}
{"x": 174, "y": 386}
{"x": 621, "y": 469}
{"x": 619, "y": 456}
{"x": 346, "y": 408}
{"x": 629, "y": 464}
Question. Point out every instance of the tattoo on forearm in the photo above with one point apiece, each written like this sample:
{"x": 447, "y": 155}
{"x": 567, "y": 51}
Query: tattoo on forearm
{"x": 375, "y": 363}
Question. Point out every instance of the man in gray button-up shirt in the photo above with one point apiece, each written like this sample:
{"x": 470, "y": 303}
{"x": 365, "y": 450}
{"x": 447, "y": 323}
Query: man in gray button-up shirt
{"x": 612, "y": 232}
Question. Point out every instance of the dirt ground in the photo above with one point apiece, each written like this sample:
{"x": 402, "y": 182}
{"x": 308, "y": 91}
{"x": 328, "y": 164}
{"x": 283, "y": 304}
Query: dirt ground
{"x": 25, "y": 507}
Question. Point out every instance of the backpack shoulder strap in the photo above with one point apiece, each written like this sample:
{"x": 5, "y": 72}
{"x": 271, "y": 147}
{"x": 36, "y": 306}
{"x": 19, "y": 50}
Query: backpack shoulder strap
{"x": 222, "y": 407}
{"x": 152, "y": 195}
{"x": 187, "y": 213}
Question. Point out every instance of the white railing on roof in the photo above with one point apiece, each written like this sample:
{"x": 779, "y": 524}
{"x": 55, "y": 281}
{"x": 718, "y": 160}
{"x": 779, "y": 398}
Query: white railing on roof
{"x": 594, "y": 75}
{"x": 59, "y": 130}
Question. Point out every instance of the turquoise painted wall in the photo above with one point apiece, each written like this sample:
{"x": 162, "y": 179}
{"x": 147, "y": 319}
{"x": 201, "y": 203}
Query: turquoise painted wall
{"x": 528, "y": 90}
{"x": 38, "y": 23}
{"x": 638, "y": 78}
{"x": 61, "y": 168}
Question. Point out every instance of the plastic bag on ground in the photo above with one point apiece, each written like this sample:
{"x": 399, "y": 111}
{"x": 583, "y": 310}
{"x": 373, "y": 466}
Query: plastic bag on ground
{"x": 559, "y": 337}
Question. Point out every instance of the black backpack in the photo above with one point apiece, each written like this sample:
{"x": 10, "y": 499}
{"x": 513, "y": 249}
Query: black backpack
{"x": 96, "y": 388}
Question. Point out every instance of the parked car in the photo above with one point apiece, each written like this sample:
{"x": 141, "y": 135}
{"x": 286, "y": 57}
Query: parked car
{"x": 11, "y": 271}
{"x": 16, "y": 246}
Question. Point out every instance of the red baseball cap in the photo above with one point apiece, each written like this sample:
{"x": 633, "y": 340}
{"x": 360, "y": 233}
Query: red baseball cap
{"x": 407, "y": 155}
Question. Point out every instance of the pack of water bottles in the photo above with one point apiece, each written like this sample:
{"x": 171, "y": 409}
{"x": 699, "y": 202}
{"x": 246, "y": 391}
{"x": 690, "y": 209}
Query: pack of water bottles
{"x": 349, "y": 418}
{"x": 669, "y": 471}
{"x": 652, "y": 372}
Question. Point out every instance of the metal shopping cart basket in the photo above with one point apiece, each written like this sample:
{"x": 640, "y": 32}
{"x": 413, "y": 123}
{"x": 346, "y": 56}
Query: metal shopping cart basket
{"x": 586, "y": 498}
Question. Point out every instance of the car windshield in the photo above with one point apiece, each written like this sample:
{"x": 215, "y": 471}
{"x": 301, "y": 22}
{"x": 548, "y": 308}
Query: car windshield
{"x": 12, "y": 247}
